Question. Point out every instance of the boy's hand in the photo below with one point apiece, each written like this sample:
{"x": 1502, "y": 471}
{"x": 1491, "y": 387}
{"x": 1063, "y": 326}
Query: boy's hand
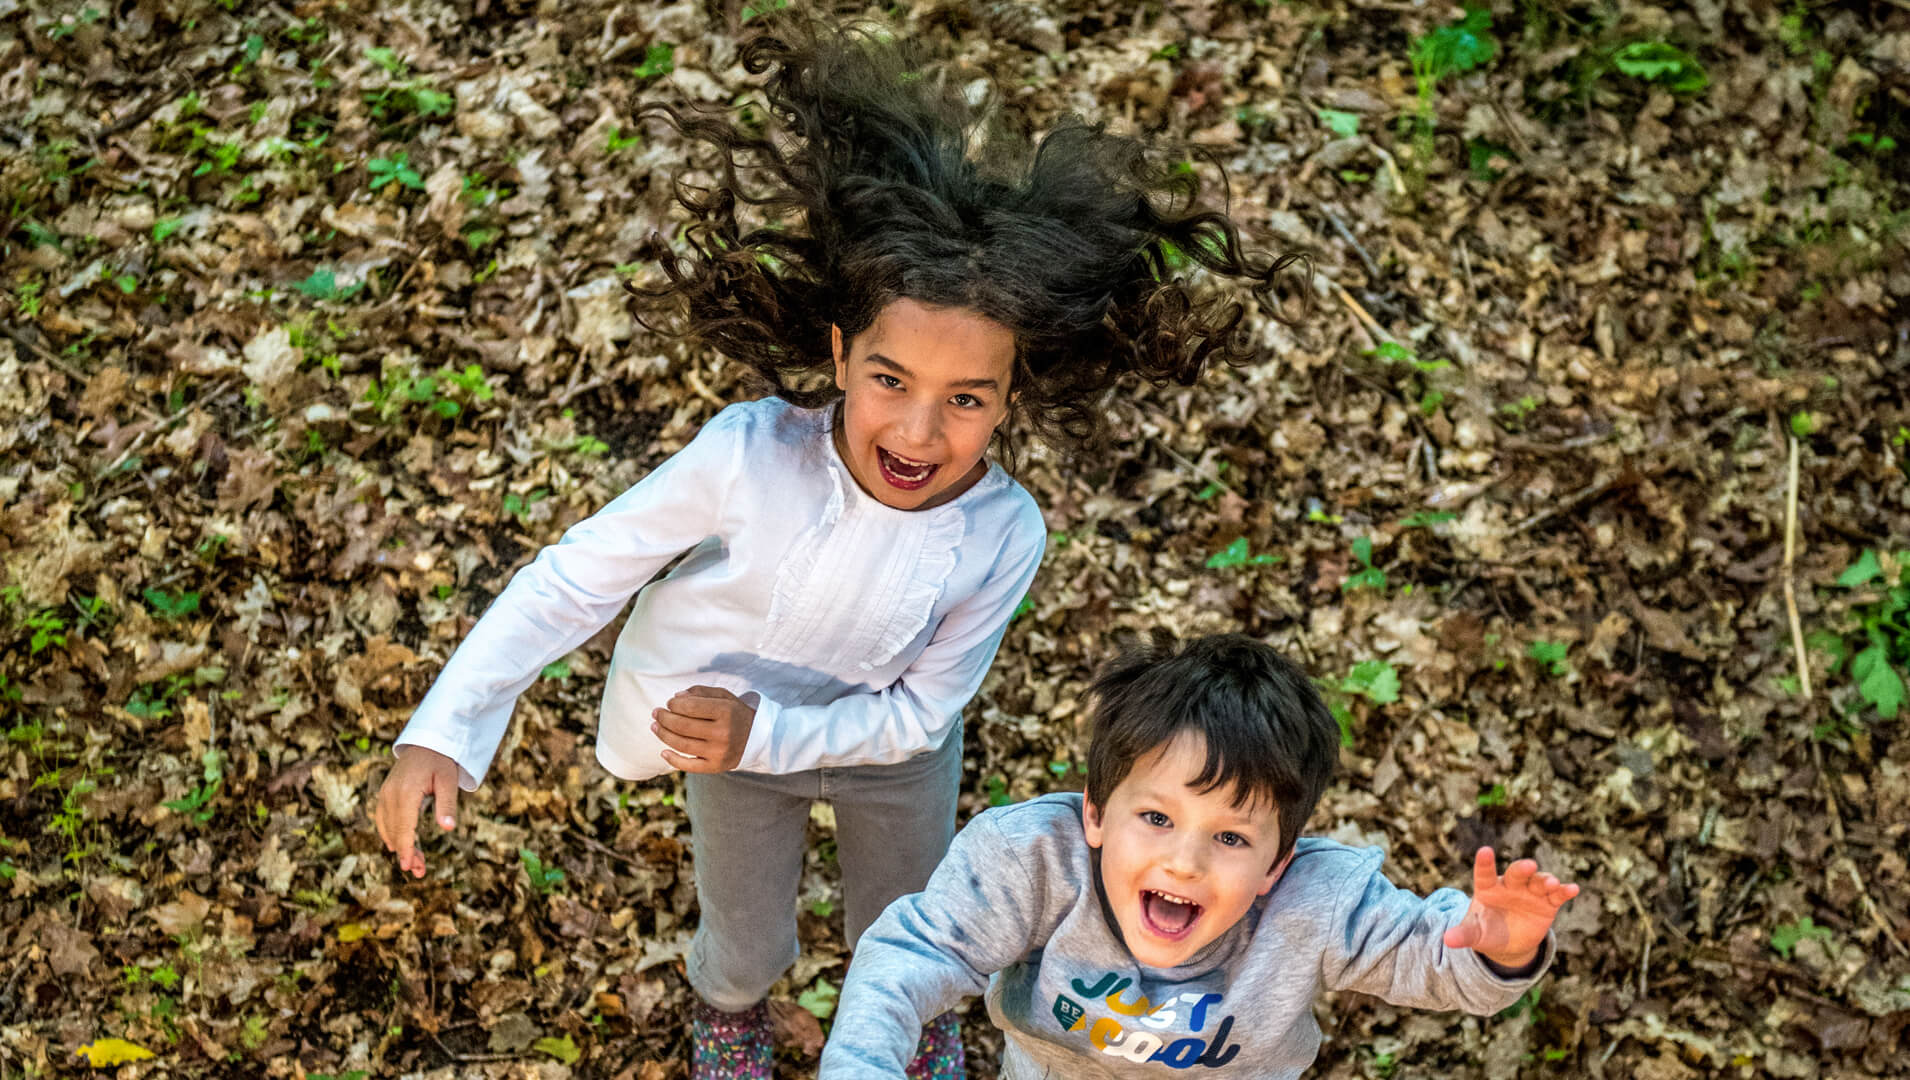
{"x": 1510, "y": 915}
{"x": 419, "y": 772}
{"x": 706, "y": 729}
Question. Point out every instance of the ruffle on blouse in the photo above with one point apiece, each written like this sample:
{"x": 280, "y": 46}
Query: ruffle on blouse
{"x": 896, "y": 563}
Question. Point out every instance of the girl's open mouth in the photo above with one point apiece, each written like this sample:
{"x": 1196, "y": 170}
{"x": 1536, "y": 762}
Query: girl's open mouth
{"x": 903, "y": 473}
{"x": 1167, "y": 915}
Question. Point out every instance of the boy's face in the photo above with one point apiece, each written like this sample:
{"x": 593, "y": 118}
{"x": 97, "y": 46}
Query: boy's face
{"x": 1180, "y": 866}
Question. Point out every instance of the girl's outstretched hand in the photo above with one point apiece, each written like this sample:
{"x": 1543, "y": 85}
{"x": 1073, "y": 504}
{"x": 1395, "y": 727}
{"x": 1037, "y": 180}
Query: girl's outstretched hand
{"x": 705, "y": 728}
{"x": 1510, "y": 915}
{"x": 419, "y": 772}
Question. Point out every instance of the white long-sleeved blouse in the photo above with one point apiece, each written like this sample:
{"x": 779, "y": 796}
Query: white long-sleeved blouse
{"x": 858, "y": 631}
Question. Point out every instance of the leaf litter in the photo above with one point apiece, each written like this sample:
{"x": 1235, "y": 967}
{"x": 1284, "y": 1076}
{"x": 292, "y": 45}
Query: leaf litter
{"x": 312, "y": 338}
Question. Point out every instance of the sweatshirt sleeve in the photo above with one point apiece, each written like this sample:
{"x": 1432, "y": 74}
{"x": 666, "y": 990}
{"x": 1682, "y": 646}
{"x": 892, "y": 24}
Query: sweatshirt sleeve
{"x": 915, "y": 713}
{"x": 573, "y": 589}
{"x": 930, "y": 950}
{"x": 1389, "y": 942}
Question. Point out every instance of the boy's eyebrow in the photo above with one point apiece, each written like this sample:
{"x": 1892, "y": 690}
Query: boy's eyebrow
{"x": 965, "y": 384}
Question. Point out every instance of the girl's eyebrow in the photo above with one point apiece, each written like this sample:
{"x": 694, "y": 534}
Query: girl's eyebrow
{"x": 962, "y": 384}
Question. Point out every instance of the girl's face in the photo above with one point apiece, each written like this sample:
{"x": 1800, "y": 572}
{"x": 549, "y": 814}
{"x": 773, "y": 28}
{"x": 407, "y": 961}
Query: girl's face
{"x": 924, "y": 389}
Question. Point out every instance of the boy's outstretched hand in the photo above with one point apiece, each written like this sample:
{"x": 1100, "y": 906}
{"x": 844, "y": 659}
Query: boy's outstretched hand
{"x": 1510, "y": 915}
{"x": 419, "y": 772}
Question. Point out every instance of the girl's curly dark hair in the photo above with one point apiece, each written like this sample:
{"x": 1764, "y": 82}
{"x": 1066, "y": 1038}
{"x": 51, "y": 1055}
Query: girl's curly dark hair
{"x": 891, "y": 183}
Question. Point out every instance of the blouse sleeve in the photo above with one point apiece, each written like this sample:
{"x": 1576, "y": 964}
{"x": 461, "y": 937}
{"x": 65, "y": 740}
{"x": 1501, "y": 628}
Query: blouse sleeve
{"x": 573, "y": 589}
{"x": 915, "y": 713}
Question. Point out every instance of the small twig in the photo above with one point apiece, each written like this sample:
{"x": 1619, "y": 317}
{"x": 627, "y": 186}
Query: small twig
{"x": 469, "y": 1059}
{"x": 1790, "y": 587}
{"x": 1372, "y": 268}
{"x": 21, "y": 339}
{"x": 1644, "y": 960}
{"x": 702, "y": 389}
{"x": 1368, "y": 326}
{"x": 1199, "y": 473}
{"x": 606, "y": 850}
{"x": 1572, "y": 502}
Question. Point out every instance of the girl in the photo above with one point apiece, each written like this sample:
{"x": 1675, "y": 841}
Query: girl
{"x": 853, "y": 557}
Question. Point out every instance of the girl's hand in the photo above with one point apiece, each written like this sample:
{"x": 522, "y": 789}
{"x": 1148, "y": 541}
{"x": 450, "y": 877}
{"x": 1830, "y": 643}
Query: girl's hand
{"x": 419, "y": 772}
{"x": 1510, "y": 915}
{"x": 706, "y": 729}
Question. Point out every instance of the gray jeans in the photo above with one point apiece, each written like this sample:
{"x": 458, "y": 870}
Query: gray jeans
{"x": 747, "y": 834}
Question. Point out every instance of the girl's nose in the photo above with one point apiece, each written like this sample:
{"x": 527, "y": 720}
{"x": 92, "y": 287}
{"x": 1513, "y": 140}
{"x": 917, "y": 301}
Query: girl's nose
{"x": 923, "y": 425}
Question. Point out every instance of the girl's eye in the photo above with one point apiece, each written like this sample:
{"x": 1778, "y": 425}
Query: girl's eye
{"x": 1232, "y": 839}
{"x": 1155, "y": 818}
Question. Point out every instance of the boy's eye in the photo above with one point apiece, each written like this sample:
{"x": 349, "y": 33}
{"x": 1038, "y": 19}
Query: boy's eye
{"x": 1155, "y": 818}
{"x": 889, "y": 381}
{"x": 1232, "y": 839}
{"x": 967, "y": 401}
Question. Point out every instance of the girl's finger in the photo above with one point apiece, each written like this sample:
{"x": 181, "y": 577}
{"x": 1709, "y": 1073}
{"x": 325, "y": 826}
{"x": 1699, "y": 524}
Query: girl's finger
{"x": 687, "y": 763}
{"x": 444, "y": 797}
{"x": 1485, "y": 870}
{"x": 676, "y": 740}
{"x": 1519, "y": 874}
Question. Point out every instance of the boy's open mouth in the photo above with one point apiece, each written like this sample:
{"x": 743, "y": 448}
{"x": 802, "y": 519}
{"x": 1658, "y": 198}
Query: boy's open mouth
{"x": 1168, "y": 915}
{"x": 902, "y": 472}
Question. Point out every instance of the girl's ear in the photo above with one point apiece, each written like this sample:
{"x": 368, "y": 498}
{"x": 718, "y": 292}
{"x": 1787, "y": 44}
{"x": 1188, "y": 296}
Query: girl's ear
{"x": 842, "y": 362}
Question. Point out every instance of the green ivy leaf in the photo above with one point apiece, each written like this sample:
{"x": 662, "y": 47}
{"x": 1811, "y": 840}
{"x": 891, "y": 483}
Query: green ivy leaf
{"x": 1862, "y": 572}
{"x": 819, "y": 1000}
{"x": 1877, "y": 681}
{"x": 559, "y": 1047}
{"x": 1342, "y": 124}
{"x": 1373, "y": 679}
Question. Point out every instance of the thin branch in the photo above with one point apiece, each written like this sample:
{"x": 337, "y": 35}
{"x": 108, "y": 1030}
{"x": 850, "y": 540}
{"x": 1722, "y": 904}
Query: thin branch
{"x": 1790, "y": 587}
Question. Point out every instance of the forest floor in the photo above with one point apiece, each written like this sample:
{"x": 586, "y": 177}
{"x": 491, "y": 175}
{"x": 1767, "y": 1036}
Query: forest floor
{"x": 314, "y": 332}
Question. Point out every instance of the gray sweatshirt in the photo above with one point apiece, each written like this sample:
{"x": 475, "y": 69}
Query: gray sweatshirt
{"x": 1015, "y": 909}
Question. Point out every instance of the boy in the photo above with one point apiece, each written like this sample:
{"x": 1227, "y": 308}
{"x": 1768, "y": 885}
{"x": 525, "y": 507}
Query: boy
{"x": 1172, "y": 918}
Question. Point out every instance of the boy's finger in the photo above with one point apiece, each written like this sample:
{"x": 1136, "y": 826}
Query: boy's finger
{"x": 444, "y": 797}
{"x": 405, "y": 828}
{"x": 1519, "y": 874}
{"x": 1463, "y": 936}
{"x": 378, "y": 820}
{"x": 1485, "y": 870}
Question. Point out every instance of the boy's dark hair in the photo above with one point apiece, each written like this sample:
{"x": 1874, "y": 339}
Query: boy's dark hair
{"x": 880, "y": 180}
{"x": 1268, "y": 733}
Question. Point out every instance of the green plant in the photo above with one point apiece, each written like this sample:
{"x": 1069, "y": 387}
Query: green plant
{"x": 543, "y": 877}
{"x": 1665, "y": 65}
{"x": 519, "y": 506}
{"x": 49, "y": 629}
{"x": 27, "y": 297}
{"x": 197, "y": 802}
{"x": 385, "y": 170}
{"x": 1449, "y": 50}
{"x": 1426, "y": 519}
{"x": 556, "y": 670}
{"x": 1369, "y": 576}
{"x": 658, "y": 60}
{"x": 1786, "y": 936}
{"x": 756, "y": 8}
{"x": 1374, "y": 680}
{"x": 1550, "y": 654}
{"x": 171, "y": 605}
{"x": 819, "y": 1000}
{"x": 1494, "y": 796}
{"x": 1236, "y": 554}
{"x": 996, "y": 788}
{"x": 1343, "y": 125}
{"x": 1882, "y": 631}
{"x": 322, "y": 284}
